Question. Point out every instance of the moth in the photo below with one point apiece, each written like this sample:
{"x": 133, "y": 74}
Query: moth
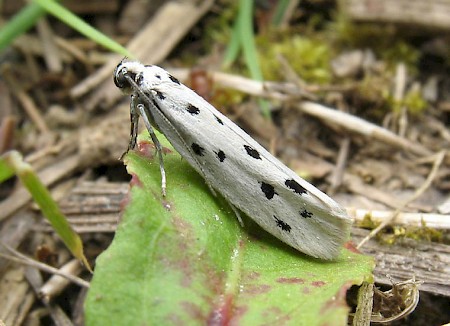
{"x": 232, "y": 163}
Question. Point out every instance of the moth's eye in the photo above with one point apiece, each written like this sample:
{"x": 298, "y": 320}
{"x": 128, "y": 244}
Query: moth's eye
{"x": 119, "y": 78}
{"x": 139, "y": 78}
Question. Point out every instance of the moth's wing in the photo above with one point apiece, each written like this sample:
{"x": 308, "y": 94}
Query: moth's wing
{"x": 249, "y": 176}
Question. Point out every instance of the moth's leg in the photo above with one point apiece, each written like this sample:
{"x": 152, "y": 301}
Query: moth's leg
{"x": 237, "y": 213}
{"x": 134, "y": 119}
{"x": 158, "y": 146}
{"x": 144, "y": 112}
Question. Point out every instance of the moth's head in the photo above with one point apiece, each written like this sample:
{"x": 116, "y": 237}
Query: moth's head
{"x": 130, "y": 76}
{"x": 125, "y": 73}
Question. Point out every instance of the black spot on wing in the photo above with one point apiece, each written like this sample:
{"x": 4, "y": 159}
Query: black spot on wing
{"x": 252, "y": 152}
{"x": 218, "y": 120}
{"x": 158, "y": 76}
{"x": 198, "y": 150}
{"x": 306, "y": 214}
{"x": 160, "y": 95}
{"x": 282, "y": 225}
{"x": 172, "y": 78}
{"x": 221, "y": 155}
{"x": 193, "y": 109}
{"x": 294, "y": 185}
{"x": 268, "y": 190}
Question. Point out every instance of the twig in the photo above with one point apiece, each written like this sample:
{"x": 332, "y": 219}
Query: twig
{"x": 435, "y": 221}
{"x": 362, "y": 127}
{"x": 437, "y": 163}
{"x": 26, "y": 101}
{"x": 58, "y": 316}
{"x": 356, "y": 186}
{"x": 338, "y": 172}
{"x": 72, "y": 49}
{"x": 22, "y": 259}
{"x": 57, "y": 283}
{"x": 419, "y": 14}
{"x": 51, "y": 52}
{"x": 399, "y": 94}
{"x": 292, "y": 77}
{"x": 7, "y": 128}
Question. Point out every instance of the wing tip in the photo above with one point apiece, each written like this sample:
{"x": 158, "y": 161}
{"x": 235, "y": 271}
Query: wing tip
{"x": 331, "y": 244}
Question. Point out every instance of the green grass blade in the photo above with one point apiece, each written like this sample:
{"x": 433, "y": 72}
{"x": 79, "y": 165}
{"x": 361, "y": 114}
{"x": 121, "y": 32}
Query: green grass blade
{"x": 249, "y": 48}
{"x": 81, "y": 26}
{"x": 6, "y": 171}
{"x": 280, "y": 10}
{"x": 243, "y": 38}
{"x": 248, "y": 39}
{"x": 13, "y": 161}
{"x": 234, "y": 46}
{"x": 19, "y": 24}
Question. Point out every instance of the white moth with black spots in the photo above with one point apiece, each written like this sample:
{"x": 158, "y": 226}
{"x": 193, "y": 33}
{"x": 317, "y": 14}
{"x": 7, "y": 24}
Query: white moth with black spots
{"x": 234, "y": 164}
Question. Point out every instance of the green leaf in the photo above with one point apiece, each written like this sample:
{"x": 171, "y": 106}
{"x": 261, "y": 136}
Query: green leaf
{"x": 185, "y": 260}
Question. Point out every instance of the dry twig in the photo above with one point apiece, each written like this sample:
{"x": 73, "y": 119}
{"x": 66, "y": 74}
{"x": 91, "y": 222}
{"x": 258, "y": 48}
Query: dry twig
{"x": 437, "y": 163}
{"x": 24, "y": 260}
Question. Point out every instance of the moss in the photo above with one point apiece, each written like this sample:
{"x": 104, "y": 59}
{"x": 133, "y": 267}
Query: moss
{"x": 412, "y": 101}
{"x": 309, "y": 58}
{"x": 396, "y": 233}
{"x": 415, "y": 102}
{"x": 423, "y": 233}
{"x": 400, "y": 51}
{"x": 368, "y": 223}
